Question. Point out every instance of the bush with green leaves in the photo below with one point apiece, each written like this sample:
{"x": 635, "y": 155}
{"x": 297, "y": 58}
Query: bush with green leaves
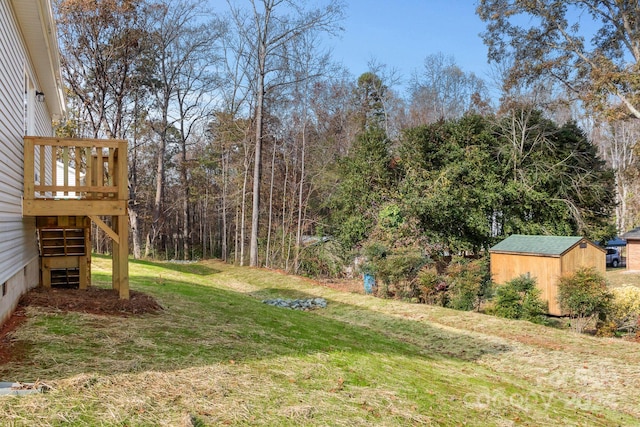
{"x": 432, "y": 287}
{"x": 519, "y": 298}
{"x": 409, "y": 274}
{"x": 395, "y": 270}
{"x": 325, "y": 258}
{"x": 468, "y": 283}
{"x": 583, "y": 296}
{"x": 624, "y": 310}
{"x": 397, "y": 273}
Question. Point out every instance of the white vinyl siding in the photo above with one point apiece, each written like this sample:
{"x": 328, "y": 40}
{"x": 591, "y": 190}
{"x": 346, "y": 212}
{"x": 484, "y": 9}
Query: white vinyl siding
{"x": 17, "y": 235}
{"x": 42, "y": 120}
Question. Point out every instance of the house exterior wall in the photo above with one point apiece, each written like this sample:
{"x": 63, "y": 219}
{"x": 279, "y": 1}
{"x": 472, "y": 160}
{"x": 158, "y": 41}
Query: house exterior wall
{"x": 20, "y": 113}
{"x": 633, "y": 254}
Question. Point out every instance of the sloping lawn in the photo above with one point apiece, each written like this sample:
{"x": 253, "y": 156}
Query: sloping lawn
{"x": 621, "y": 276}
{"x": 216, "y": 355}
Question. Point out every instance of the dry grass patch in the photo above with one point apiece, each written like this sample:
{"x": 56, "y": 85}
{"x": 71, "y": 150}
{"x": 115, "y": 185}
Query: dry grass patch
{"x": 621, "y": 277}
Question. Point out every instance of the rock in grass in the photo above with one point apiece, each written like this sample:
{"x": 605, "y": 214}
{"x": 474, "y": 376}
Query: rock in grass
{"x": 298, "y": 304}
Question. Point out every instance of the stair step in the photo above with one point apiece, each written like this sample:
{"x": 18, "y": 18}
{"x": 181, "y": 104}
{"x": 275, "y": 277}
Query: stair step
{"x": 61, "y": 238}
{"x": 61, "y": 241}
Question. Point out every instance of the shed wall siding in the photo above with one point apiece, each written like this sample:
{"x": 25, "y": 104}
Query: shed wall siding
{"x": 545, "y": 270}
{"x": 579, "y": 257}
{"x": 18, "y": 246}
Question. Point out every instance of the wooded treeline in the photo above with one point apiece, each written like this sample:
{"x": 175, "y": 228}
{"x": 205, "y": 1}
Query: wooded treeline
{"x": 248, "y": 143}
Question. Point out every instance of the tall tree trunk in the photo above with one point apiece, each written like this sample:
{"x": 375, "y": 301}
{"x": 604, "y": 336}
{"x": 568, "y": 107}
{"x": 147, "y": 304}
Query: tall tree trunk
{"x": 154, "y": 231}
{"x": 242, "y": 209}
{"x": 186, "y": 223}
{"x": 224, "y": 249}
{"x": 158, "y": 202}
{"x": 284, "y": 212}
{"x": 135, "y": 232}
{"x": 296, "y": 261}
{"x": 235, "y": 251}
{"x": 133, "y": 185}
{"x": 257, "y": 170}
{"x": 273, "y": 163}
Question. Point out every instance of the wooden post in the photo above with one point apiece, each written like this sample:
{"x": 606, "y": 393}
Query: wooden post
{"x": 54, "y": 170}
{"x": 120, "y": 258}
{"x": 115, "y": 255}
{"x": 29, "y": 172}
{"x": 86, "y": 224}
{"x": 43, "y": 165}
{"x": 122, "y": 173}
{"x": 45, "y": 271}
{"x": 124, "y": 256}
{"x": 121, "y": 176}
{"x": 88, "y": 173}
{"x": 99, "y": 167}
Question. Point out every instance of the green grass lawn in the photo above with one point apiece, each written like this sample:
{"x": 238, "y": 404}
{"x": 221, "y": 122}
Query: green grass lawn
{"x": 622, "y": 276}
{"x": 217, "y": 355}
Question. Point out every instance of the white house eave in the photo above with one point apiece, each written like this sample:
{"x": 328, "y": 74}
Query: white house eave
{"x": 37, "y": 24}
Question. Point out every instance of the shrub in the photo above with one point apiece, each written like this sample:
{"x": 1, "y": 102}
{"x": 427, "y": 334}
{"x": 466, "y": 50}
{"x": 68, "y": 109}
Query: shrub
{"x": 399, "y": 270}
{"x": 624, "y": 310}
{"x": 583, "y": 296}
{"x": 534, "y": 308}
{"x": 467, "y": 283}
{"x": 395, "y": 271}
{"x": 520, "y": 299}
{"x": 390, "y": 217}
{"x": 326, "y": 258}
{"x": 432, "y": 286}
{"x": 409, "y": 274}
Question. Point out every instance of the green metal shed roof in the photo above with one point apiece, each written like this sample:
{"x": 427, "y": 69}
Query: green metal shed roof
{"x": 539, "y": 245}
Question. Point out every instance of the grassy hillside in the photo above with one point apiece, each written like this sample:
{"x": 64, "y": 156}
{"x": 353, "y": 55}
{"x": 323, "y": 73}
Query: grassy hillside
{"x": 218, "y": 355}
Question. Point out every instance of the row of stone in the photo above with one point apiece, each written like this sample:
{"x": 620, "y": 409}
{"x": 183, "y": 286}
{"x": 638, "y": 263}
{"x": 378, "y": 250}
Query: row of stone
{"x": 297, "y": 304}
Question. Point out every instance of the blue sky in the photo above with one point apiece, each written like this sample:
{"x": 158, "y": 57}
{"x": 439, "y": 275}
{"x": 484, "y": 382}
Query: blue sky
{"x": 402, "y": 33}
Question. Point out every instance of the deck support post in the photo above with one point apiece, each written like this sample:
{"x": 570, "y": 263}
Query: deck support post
{"x": 119, "y": 234}
{"x": 120, "y": 259}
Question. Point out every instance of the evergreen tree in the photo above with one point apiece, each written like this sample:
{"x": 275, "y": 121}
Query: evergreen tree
{"x": 366, "y": 181}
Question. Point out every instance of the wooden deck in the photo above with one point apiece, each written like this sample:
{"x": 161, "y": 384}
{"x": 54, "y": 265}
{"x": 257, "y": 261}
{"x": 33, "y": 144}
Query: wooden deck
{"x": 81, "y": 177}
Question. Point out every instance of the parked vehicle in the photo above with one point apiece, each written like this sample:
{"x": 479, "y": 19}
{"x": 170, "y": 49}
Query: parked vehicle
{"x": 614, "y": 259}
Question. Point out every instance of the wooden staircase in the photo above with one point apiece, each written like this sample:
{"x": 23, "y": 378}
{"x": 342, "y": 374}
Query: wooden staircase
{"x": 64, "y": 247}
{"x": 68, "y": 185}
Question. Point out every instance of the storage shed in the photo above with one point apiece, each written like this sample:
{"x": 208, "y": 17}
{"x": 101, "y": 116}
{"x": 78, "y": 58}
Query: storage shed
{"x": 545, "y": 258}
{"x": 633, "y": 248}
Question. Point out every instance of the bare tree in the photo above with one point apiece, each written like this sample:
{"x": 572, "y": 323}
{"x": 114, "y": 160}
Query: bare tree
{"x": 269, "y": 35}
{"x": 442, "y": 90}
{"x": 179, "y": 84}
{"x": 617, "y": 142}
{"x": 101, "y": 44}
{"x": 103, "y": 49}
{"x": 554, "y": 40}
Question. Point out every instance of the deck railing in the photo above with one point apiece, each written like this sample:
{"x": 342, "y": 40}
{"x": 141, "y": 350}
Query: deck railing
{"x": 74, "y": 176}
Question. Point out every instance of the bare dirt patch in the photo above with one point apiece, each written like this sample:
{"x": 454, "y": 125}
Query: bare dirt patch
{"x": 7, "y": 350}
{"x": 92, "y": 300}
